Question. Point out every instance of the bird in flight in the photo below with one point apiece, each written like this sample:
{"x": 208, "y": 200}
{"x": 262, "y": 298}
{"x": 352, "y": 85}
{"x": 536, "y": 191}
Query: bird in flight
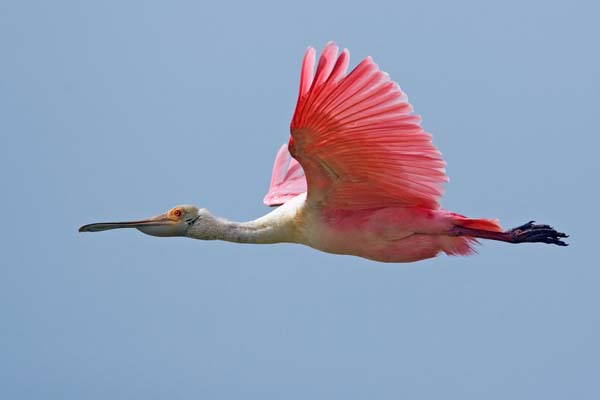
{"x": 359, "y": 176}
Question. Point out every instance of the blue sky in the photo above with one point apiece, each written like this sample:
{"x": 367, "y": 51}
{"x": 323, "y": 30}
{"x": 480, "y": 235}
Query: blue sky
{"x": 115, "y": 110}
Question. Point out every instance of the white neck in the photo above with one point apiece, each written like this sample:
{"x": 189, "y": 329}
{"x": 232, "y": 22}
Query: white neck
{"x": 280, "y": 225}
{"x": 240, "y": 232}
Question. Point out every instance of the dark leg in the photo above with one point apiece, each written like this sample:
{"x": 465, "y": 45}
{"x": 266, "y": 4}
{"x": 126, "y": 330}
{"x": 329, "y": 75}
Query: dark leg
{"x": 527, "y": 233}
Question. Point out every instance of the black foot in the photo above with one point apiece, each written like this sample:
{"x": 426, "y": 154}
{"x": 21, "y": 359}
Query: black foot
{"x": 532, "y": 233}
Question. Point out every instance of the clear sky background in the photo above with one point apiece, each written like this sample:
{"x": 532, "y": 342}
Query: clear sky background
{"x": 117, "y": 110}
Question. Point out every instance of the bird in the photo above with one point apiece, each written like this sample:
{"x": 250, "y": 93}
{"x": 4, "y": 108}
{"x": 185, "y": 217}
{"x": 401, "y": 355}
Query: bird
{"x": 359, "y": 176}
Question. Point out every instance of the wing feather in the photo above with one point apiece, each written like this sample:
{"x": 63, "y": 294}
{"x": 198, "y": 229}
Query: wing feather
{"x": 287, "y": 180}
{"x": 357, "y": 140}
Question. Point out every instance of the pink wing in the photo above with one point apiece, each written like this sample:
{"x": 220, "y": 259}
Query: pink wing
{"x": 357, "y": 139}
{"x": 287, "y": 181}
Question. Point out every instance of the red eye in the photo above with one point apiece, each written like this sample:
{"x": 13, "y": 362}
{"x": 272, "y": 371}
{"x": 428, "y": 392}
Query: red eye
{"x": 177, "y": 213}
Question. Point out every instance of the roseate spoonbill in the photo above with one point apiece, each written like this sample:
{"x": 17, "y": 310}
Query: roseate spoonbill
{"x": 363, "y": 178}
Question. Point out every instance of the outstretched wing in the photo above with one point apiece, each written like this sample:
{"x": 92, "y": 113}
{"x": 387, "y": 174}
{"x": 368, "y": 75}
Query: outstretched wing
{"x": 287, "y": 180}
{"x": 357, "y": 140}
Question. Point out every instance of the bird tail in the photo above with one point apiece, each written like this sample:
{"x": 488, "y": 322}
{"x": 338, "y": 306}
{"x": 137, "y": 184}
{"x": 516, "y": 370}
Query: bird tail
{"x": 484, "y": 224}
{"x": 464, "y": 245}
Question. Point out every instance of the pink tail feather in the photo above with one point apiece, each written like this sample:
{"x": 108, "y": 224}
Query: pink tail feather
{"x": 484, "y": 224}
{"x": 464, "y": 245}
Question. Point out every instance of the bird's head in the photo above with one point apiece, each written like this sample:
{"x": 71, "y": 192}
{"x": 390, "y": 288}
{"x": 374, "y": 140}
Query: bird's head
{"x": 174, "y": 222}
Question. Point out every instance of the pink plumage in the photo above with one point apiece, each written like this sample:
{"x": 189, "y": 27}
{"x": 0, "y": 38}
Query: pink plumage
{"x": 287, "y": 180}
{"x": 358, "y": 141}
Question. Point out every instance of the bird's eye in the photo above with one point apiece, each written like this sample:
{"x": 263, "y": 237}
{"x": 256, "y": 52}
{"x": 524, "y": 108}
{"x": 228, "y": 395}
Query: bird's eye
{"x": 177, "y": 213}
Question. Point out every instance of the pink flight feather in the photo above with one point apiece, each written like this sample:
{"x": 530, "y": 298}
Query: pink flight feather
{"x": 287, "y": 180}
{"x": 357, "y": 139}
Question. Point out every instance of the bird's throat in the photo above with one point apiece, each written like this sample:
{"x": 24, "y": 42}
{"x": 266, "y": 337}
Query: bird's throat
{"x": 257, "y": 231}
